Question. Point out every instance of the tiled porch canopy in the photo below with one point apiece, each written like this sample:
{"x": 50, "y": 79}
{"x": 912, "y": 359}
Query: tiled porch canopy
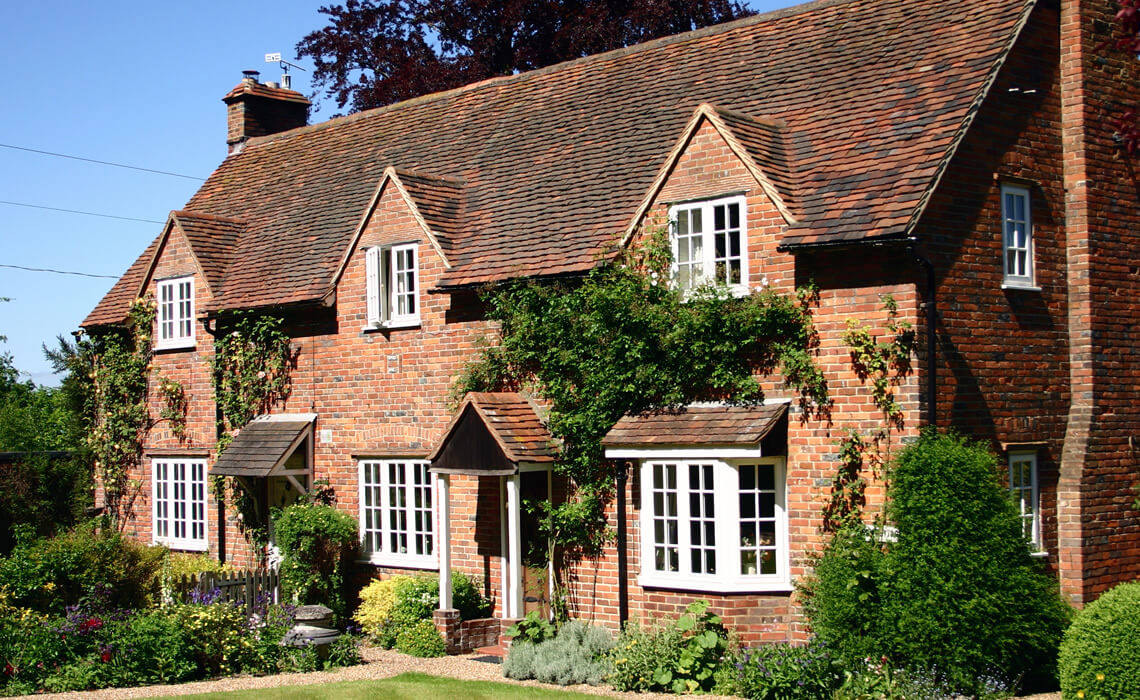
{"x": 703, "y": 426}
{"x": 492, "y": 434}
{"x": 265, "y": 444}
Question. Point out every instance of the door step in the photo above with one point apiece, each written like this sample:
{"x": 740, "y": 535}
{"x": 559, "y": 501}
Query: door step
{"x": 498, "y": 650}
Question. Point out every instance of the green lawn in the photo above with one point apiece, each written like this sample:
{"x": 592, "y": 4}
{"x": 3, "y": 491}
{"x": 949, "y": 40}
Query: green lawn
{"x": 409, "y": 686}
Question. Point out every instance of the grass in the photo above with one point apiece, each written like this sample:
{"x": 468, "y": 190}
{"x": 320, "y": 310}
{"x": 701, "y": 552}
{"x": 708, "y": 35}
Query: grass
{"x": 406, "y": 686}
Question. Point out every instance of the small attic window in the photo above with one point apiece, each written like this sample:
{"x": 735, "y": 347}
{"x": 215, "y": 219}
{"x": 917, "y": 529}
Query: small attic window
{"x": 710, "y": 243}
{"x": 392, "y": 277}
{"x": 175, "y": 313}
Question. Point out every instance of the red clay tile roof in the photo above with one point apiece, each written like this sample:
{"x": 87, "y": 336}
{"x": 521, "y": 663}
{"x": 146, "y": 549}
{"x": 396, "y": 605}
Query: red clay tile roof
{"x": 696, "y": 425}
{"x": 514, "y": 423}
{"x": 872, "y": 94}
{"x": 212, "y": 238}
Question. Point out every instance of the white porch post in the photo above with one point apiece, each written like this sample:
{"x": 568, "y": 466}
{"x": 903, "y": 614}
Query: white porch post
{"x": 444, "y": 506}
{"x": 514, "y": 548}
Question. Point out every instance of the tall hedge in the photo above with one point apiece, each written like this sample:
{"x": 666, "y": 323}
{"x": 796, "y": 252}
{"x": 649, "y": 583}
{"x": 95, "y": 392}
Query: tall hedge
{"x": 958, "y": 591}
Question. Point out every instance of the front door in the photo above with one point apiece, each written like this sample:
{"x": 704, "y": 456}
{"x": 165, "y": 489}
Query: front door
{"x": 534, "y": 486}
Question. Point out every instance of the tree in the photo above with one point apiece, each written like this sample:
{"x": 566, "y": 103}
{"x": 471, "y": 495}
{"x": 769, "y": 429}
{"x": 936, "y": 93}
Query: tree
{"x": 375, "y": 52}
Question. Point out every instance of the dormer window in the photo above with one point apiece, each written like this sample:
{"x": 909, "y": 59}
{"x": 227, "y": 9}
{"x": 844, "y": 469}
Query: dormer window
{"x": 1017, "y": 237}
{"x": 393, "y": 281}
{"x": 710, "y": 243}
{"x": 175, "y": 313}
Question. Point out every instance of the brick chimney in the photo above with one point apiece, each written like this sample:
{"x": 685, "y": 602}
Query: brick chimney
{"x": 257, "y": 109}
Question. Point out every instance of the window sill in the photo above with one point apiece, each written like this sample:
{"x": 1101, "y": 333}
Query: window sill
{"x": 1021, "y": 286}
{"x": 187, "y": 344}
{"x": 183, "y": 545}
{"x": 713, "y": 585}
{"x": 1042, "y": 554}
{"x": 401, "y": 562}
{"x": 391, "y": 325}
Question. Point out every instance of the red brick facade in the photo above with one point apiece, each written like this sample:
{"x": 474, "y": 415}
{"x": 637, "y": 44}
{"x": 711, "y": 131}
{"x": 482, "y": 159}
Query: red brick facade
{"x": 1053, "y": 368}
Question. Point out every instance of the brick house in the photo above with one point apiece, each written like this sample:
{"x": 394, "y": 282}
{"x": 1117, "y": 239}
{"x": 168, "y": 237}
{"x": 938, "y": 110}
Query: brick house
{"x": 957, "y": 156}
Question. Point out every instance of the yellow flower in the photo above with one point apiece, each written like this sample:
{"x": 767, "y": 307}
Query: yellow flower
{"x": 1080, "y": 693}
{"x": 1100, "y": 676}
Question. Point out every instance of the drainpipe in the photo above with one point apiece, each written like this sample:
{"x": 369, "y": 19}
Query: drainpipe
{"x": 623, "y": 568}
{"x": 220, "y": 497}
{"x": 930, "y": 306}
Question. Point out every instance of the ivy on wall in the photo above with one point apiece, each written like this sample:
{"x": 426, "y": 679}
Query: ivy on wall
{"x": 118, "y": 366}
{"x": 250, "y": 373}
{"x": 622, "y": 340}
{"x": 884, "y": 362}
{"x": 174, "y": 405}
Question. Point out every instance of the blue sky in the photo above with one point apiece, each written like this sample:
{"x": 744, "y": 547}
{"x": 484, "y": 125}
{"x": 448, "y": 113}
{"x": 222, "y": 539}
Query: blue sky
{"x": 130, "y": 82}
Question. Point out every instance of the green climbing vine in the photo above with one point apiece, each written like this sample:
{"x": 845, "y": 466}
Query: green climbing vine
{"x": 174, "y": 406}
{"x": 250, "y": 373}
{"x": 118, "y": 367}
{"x": 884, "y": 362}
{"x": 623, "y": 340}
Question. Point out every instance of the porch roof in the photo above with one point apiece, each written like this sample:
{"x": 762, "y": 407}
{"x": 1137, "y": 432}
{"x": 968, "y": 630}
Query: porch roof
{"x": 703, "y": 426}
{"x": 264, "y": 445}
{"x": 491, "y": 434}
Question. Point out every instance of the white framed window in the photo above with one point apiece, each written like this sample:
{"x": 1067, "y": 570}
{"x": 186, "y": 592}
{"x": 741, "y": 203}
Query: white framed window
{"x": 1026, "y": 495}
{"x": 179, "y": 497}
{"x": 1017, "y": 237}
{"x": 175, "y": 313}
{"x": 713, "y": 525}
{"x": 397, "y": 514}
{"x": 392, "y": 277}
{"x": 710, "y": 243}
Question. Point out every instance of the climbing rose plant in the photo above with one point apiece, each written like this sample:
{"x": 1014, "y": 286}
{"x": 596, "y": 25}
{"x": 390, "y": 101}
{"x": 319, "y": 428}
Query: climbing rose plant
{"x": 622, "y": 340}
{"x": 118, "y": 365}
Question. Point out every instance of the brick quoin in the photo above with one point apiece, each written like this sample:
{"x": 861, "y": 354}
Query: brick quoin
{"x": 1056, "y": 367}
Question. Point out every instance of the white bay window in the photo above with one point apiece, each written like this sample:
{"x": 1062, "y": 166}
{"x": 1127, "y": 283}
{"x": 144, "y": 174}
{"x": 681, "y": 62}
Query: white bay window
{"x": 714, "y": 525}
{"x": 397, "y": 517}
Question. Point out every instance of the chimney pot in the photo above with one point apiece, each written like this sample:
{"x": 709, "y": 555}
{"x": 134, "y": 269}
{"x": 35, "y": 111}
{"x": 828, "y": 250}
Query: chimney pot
{"x": 250, "y": 76}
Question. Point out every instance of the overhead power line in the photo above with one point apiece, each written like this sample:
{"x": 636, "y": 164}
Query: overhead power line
{"x": 76, "y": 211}
{"x": 59, "y": 272}
{"x": 100, "y": 162}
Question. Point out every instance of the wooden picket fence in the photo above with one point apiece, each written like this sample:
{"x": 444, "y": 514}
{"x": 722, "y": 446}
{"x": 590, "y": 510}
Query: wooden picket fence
{"x": 250, "y": 588}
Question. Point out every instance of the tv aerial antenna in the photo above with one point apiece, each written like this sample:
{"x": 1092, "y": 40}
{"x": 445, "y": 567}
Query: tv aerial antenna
{"x": 286, "y": 79}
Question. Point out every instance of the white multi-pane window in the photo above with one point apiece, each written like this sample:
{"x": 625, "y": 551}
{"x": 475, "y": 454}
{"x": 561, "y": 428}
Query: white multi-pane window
{"x": 397, "y": 521}
{"x": 179, "y": 498}
{"x": 175, "y": 313}
{"x": 710, "y": 243}
{"x": 1017, "y": 236}
{"x": 393, "y": 282}
{"x": 1026, "y": 495}
{"x": 714, "y": 525}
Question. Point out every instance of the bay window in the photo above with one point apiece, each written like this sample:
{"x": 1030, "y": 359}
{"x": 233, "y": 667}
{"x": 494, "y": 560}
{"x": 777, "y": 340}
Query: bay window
{"x": 713, "y": 525}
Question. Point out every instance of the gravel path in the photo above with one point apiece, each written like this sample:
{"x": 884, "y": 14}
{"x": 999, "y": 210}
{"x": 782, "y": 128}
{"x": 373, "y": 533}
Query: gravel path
{"x": 379, "y": 663}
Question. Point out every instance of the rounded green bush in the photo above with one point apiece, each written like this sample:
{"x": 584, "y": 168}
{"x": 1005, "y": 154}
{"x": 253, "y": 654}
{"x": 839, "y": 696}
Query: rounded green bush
{"x": 421, "y": 639}
{"x": 1100, "y": 653}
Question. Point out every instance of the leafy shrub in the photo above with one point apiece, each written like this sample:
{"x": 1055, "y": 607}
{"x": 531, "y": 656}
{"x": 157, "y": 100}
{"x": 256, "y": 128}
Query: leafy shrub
{"x": 869, "y": 679}
{"x": 1100, "y": 653}
{"x": 218, "y": 634}
{"x": 958, "y": 592}
{"x": 783, "y": 671}
{"x": 577, "y": 654}
{"x": 49, "y": 574}
{"x": 681, "y": 658}
{"x": 393, "y": 605}
{"x": 345, "y": 651}
{"x": 376, "y": 601}
{"x": 421, "y": 639}
{"x": 315, "y": 541}
{"x": 534, "y": 628}
{"x": 29, "y": 648}
{"x": 144, "y": 649}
